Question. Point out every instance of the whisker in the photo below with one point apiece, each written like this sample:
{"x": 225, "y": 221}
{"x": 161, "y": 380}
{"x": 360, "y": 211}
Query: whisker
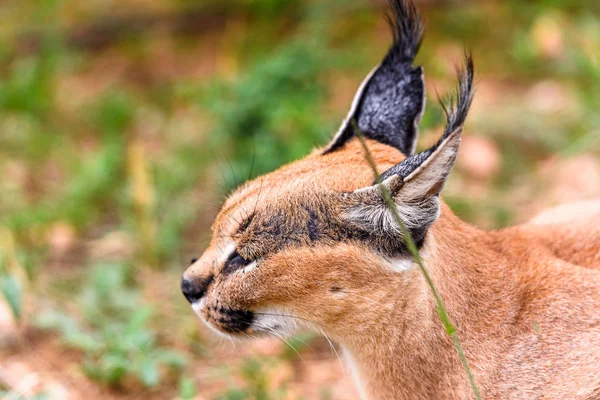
{"x": 280, "y": 335}
{"x": 235, "y": 178}
{"x": 319, "y": 328}
{"x": 253, "y": 159}
{"x": 233, "y": 343}
{"x": 258, "y": 196}
{"x": 225, "y": 190}
{"x": 334, "y": 349}
{"x": 288, "y": 316}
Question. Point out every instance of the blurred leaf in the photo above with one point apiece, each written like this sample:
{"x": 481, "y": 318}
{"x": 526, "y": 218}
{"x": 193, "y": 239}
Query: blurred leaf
{"x": 113, "y": 368}
{"x": 235, "y": 394}
{"x": 11, "y": 290}
{"x": 114, "y": 114}
{"x": 27, "y": 262}
{"x": 149, "y": 373}
{"x": 138, "y": 319}
{"x": 187, "y": 388}
{"x": 171, "y": 358}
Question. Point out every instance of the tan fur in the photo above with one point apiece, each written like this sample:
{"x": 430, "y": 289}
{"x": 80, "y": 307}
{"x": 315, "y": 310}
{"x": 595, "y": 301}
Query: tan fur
{"x": 526, "y": 299}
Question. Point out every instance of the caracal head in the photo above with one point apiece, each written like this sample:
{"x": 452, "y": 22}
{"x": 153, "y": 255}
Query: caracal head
{"x": 308, "y": 245}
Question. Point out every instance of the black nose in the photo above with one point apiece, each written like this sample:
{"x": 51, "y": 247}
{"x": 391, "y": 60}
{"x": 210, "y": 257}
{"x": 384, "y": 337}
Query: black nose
{"x": 194, "y": 290}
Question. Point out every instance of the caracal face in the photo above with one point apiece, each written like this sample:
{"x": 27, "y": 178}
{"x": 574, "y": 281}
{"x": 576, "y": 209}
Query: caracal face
{"x": 310, "y": 245}
{"x": 283, "y": 245}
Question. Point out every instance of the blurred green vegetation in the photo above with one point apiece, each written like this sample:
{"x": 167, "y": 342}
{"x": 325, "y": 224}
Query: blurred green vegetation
{"x": 114, "y": 158}
{"x": 116, "y": 339}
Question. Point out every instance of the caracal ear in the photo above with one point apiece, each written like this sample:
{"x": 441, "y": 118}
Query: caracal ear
{"x": 390, "y": 101}
{"x": 415, "y": 183}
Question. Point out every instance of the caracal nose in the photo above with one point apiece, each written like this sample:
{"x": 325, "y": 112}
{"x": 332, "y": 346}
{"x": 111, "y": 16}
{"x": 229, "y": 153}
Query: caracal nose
{"x": 194, "y": 290}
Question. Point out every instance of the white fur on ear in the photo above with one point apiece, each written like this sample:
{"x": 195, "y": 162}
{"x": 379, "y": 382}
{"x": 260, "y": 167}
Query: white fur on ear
{"x": 355, "y": 101}
{"x": 372, "y": 212}
{"x": 429, "y": 177}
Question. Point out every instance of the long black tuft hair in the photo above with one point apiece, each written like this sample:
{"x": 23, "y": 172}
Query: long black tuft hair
{"x": 457, "y": 110}
{"x": 407, "y": 30}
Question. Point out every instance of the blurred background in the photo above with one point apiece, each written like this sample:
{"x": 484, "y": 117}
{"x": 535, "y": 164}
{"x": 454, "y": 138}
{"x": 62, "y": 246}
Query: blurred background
{"x": 124, "y": 124}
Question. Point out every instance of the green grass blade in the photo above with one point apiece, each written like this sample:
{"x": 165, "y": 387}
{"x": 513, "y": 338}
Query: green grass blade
{"x": 412, "y": 248}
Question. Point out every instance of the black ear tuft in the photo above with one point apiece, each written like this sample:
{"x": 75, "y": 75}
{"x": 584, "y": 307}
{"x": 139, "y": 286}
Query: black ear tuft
{"x": 459, "y": 107}
{"x": 389, "y": 102}
{"x": 456, "y": 113}
{"x": 407, "y": 29}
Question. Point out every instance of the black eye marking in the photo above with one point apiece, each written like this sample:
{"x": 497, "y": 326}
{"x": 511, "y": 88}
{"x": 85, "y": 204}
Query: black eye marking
{"x": 193, "y": 260}
{"x": 233, "y": 263}
{"x": 313, "y": 227}
{"x": 245, "y": 224}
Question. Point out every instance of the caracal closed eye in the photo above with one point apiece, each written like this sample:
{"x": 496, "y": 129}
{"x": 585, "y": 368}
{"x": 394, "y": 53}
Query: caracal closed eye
{"x": 315, "y": 246}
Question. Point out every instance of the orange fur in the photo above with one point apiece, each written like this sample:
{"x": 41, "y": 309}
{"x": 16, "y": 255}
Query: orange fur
{"x": 525, "y": 299}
